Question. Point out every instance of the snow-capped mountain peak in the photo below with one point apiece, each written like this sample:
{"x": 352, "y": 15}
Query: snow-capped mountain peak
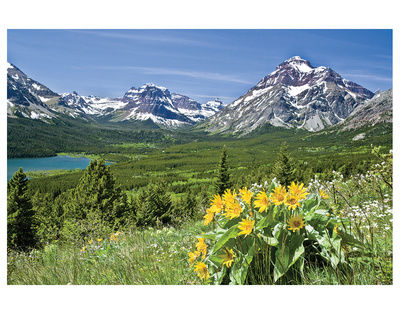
{"x": 298, "y": 64}
{"x": 148, "y": 102}
{"x": 296, "y": 94}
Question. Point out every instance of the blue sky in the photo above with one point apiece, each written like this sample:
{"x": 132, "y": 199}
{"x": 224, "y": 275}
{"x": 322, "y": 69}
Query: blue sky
{"x": 200, "y": 63}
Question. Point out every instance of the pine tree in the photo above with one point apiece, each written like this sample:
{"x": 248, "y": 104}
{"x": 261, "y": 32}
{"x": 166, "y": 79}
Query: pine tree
{"x": 222, "y": 181}
{"x": 20, "y": 233}
{"x": 186, "y": 208}
{"x": 283, "y": 168}
{"x": 97, "y": 194}
{"x": 153, "y": 205}
{"x": 47, "y": 220}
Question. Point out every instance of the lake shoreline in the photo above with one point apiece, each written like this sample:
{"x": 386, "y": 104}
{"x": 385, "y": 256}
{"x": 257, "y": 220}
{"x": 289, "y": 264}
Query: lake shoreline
{"x": 44, "y": 166}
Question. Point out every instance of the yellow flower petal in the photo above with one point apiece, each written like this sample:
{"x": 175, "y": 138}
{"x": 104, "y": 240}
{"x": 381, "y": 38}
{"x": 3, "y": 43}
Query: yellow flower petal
{"x": 246, "y": 225}
{"x": 295, "y": 222}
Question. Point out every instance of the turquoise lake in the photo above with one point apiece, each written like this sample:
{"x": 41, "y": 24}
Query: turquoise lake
{"x": 46, "y": 163}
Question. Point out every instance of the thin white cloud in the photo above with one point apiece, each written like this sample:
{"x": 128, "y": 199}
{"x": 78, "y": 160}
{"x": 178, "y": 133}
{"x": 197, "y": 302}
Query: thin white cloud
{"x": 368, "y": 77}
{"x": 148, "y": 36}
{"x": 178, "y": 72}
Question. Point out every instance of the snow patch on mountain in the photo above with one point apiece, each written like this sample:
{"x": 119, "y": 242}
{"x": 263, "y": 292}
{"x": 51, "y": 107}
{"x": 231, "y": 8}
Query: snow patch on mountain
{"x": 297, "y": 95}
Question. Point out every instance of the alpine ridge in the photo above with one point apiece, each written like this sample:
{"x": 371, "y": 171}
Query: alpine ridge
{"x": 148, "y": 102}
{"x": 30, "y": 99}
{"x": 295, "y": 95}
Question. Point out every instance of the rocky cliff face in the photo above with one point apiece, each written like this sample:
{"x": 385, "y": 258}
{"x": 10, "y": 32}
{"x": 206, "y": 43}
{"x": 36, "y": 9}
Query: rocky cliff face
{"x": 26, "y": 97}
{"x": 297, "y": 95}
{"x": 146, "y": 102}
{"x": 31, "y": 99}
{"x": 379, "y": 109}
{"x": 152, "y": 102}
{"x": 195, "y": 111}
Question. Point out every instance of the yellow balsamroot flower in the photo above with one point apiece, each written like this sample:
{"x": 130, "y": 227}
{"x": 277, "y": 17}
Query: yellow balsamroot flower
{"x": 336, "y": 229}
{"x": 278, "y": 195}
{"x": 233, "y": 210}
{"x": 228, "y": 257}
{"x": 292, "y": 201}
{"x": 217, "y": 204}
{"x": 193, "y": 256}
{"x": 246, "y": 225}
{"x": 295, "y": 222}
{"x": 83, "y": 249}
{"x": 202, "y": 271}
{"x": 114, "y": 237}
{"x": 262, "y": 202}
{"x": 90, "y": 242}
{"x": 201, "y": 247}
{"x": 295, "y": 189}
{"x": 100, "y": 239}
{"x": 229, "y": 197}
{"x": 246, "y": 195}
{"x": 209, "y": 216}
{"x": 323, "y": 194}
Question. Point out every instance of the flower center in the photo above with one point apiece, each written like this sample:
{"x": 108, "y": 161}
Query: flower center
{"x": 296, "y": 223}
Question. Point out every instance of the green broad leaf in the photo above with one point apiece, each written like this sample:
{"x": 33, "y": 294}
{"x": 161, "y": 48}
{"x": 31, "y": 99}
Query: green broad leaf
{"x": 318, "y": 216}
{"x": 277, "y": 211}
{"x": 229, "y": 223}
{"x": 300, "y": 265}
{"x": 277, "y": 230}
{"x": 232, "y": 232}
{"x": 323, "y": 212}
{"x": 296, "y": 247}
{"x": 311, "y": 232}
{"x": 311, "y": 204}
{"x": 235, "y": 275}
{"x": 351, "y": 240}
{"x": 222, "y": 220}
{"x": 337, "y": 255}
{"x": 208, "y": 235}
{"x": 269, "y": 240}
{"x": 263, "y": 223}
{"x": 216, "y": 260}
{"x": 287, "y": 254}
{"x": 217, "y": 276}
{"x": 281, "y": 262}
{"x": 259, "y": 216}
{"x": 240, "y": 269}
{"x": 247, "y": 260}
{"x": 324, "y": 244}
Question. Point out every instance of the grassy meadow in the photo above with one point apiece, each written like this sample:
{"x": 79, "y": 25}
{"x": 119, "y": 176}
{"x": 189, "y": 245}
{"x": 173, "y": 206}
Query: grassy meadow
{"x": 359, "y": 204}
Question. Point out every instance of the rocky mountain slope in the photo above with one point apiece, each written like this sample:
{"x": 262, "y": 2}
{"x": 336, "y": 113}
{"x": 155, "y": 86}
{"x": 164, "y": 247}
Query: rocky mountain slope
{"x": 146, "y": 102}
{"x": 30, "y": 99}
{"x": 379, "y": 109}
{"x": 296, "y": 95}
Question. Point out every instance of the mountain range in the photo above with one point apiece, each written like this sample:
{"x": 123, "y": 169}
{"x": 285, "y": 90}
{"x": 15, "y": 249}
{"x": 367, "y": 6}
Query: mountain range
{"x": 295, "y": 95}
{"x": 30, "y": 99}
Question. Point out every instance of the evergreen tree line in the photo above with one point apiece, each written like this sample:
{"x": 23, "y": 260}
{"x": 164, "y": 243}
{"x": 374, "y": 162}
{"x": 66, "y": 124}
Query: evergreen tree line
{"x": 98, "y": 206}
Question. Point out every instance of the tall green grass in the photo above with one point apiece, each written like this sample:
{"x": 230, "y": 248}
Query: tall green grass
{"x": 149, "y": 257}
